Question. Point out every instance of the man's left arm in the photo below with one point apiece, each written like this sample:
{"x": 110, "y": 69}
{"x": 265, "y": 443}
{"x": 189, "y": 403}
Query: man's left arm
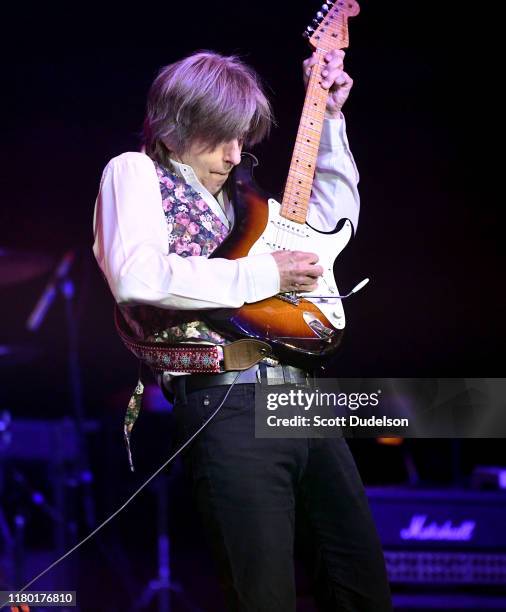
{"x": 334, "y": 194}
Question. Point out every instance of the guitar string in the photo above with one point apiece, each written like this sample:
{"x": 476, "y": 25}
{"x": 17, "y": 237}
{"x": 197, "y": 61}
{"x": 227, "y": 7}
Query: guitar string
{"x": 290, "y": 241}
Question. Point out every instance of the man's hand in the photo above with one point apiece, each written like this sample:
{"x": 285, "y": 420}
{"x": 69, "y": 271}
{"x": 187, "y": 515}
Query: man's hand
{"x": 297, "y": 270}
{"x": 334, "y": 79}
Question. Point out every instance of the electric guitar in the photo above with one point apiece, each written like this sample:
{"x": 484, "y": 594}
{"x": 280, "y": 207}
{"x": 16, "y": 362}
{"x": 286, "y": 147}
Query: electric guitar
{"x": 297, "y": 325}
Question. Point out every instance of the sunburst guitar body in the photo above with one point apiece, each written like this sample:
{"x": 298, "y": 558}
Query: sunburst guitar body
{"x": 298, "y": 326}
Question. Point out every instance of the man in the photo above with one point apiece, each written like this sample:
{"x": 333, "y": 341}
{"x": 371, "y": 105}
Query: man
{"x": 159, "y": 215}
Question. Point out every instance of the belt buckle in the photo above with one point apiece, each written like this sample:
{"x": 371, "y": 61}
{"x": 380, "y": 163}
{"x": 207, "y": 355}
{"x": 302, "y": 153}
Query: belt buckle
{"x": 269, "y": 375}
{"x": 299, "y": 378}
{"x": 279, "y": 375}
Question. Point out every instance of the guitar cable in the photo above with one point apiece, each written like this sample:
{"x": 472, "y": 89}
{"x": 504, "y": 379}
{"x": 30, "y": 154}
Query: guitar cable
{"x": 125, "y": 504}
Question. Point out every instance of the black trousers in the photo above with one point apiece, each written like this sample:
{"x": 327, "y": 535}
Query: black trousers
{"x": 247, "y": 490}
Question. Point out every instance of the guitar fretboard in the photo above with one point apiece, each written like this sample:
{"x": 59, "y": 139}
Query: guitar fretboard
{"x": 302, "y": 168}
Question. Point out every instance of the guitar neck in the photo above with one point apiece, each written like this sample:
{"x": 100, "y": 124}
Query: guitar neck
{"x": 330, "y": 32}
{"x": 302, "y": 167}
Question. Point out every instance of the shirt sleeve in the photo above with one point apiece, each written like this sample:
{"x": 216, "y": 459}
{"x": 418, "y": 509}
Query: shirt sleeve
{"x": 131, "y": 248}
{"x": 334, "y": 195}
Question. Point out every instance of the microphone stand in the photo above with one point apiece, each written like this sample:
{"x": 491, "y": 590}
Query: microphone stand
{"x": 163, "y": 585}
{"x": 85, "y": 473}
{"x": 62, "y": 283}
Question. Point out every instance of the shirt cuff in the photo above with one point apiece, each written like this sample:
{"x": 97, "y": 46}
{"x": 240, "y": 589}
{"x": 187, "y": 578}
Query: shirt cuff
{"x": 262, "y": 274}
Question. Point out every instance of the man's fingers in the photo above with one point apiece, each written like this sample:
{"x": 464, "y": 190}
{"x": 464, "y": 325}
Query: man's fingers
{"x": 333, "y": 69}
{"x": 305, "y": 287}
{"x": 300, "y": 256}
{"x": 309, "y": 276}
{"x": 298, "y": 270}
{"x": 334, "y": 66}
{"x": 335, "y": 55}
{"x": 308, "y": 64}
{"x": 337, "y": 79}
{"x": 344, "y": 81}
{"x": 315, "y": 271}
{"x": 310, "y": 61}
{"x": 305, "y": 274}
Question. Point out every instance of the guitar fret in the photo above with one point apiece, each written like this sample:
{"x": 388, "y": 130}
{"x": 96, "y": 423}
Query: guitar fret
{"x": 307, "y": 151}
{"x": 317, "y": 112}
{"x": 295, "y": 201}
{"x": 311, "y": 131}
{"x": 309, "y": 146}
{"x": 303, "y": 190}
{"x": 293, "y": 211}
{"x": 290, "y": 209}
{"x": 308, "y": 160}
{"x": 314, "y": 121}
{"x": 306, "y": 142}
{"x": 303, "y": 150}
{"x": 290, "y": 201}
{"x": 294, "y": 189}
{"x": 305, "y": 156}
{"x": 302, "y": 172}
{"x": 292, "y": 193}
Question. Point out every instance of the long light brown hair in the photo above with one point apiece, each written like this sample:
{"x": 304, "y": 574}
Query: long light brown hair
{"x": 207, "y": 97}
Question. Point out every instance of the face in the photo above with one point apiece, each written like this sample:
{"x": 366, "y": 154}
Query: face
{"x": 213, "y": 166}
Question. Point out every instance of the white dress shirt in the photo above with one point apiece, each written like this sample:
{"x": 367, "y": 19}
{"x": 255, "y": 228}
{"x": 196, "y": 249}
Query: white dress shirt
{"x": 131, "y": 243}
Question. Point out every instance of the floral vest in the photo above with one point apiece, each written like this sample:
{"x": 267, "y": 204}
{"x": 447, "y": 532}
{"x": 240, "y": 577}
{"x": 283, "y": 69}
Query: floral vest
{"x": 192, "y": 229}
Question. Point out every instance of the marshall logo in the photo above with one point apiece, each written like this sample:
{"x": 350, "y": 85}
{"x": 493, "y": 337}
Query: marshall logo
{"x": 419, "y": 529}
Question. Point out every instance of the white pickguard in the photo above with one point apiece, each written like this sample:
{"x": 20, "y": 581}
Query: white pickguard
{"x": 281, "y": 233}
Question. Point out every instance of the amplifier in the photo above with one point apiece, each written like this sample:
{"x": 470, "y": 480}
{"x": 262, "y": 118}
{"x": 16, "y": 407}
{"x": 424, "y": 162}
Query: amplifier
{"x": 442, "y": 536}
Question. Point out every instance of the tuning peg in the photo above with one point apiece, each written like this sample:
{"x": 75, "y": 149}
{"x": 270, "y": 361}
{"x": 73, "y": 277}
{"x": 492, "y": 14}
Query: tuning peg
{"x": 319, "y": 15}
{"x": 316, "y": 22}
{"x": 309, "y": 30}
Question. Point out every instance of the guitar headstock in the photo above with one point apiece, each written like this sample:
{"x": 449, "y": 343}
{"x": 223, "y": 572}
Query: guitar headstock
{"x": 329, "y": 29}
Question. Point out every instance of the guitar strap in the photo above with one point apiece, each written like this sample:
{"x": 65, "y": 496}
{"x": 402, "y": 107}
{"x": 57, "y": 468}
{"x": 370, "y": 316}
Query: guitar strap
{"x": 188, "y": 358}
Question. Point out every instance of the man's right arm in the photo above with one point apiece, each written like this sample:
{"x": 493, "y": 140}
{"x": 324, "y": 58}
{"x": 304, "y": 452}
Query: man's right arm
{"x": 131, "y": 248}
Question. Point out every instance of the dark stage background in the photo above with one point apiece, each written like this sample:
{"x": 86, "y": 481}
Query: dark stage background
{"x": 419, "y": 127}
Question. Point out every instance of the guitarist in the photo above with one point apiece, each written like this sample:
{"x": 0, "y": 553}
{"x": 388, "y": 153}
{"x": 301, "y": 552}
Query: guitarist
{"x": 159, "y": 215}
